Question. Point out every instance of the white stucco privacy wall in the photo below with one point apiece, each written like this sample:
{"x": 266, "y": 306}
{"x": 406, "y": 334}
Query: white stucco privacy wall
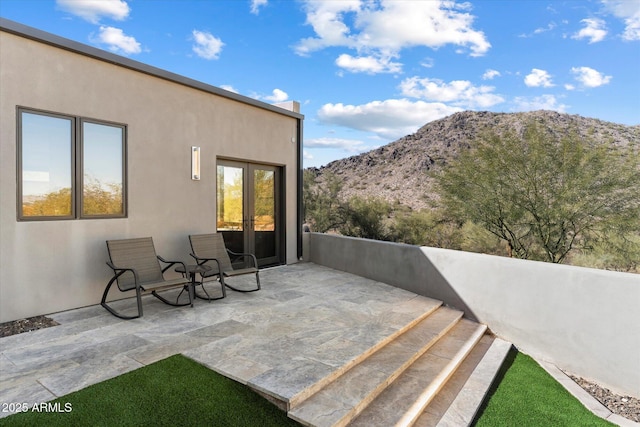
{"x": 49, "y": 266}
{"x": 584, "y": 320}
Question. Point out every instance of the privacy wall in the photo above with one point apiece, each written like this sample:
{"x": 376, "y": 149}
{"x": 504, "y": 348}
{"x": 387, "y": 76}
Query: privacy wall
{"x": 583, "y": 320}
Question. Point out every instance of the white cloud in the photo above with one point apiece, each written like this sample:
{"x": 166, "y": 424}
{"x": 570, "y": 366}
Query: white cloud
{"x": 206, "y": 45}
{"x": 117, "y": 41}
{"x": 594, "y": 30}
{"x": 277, "y": 95}
{"x": 229, "y": 88}
{"x": 543, "y": 102}
{"x": 93, "y": 10}
{"x": 306, "y": 155}
{"x": 490, "y": 74}
{"x": 538, "y": 78}
{"x": 389, "y": 119}
{"x": 427, "y": 63}
{"x": 350, "y": 145}
{"x": 551, "y": 26}
{"x": 256, "y": 5}
{"x": 326, "y": 20}
{"x": 569, "y": 86}
{"x": 589, "y": 77}
{"x": 368, "y": 64}
{"x": 383, "y": 28}
{"x": 629, "y": 11}
{"x": 461, "y": 93}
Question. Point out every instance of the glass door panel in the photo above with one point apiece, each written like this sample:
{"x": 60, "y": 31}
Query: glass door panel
{"x": 264, "y": 210}
{"x": 248, "y": 203}
{"x": 230, "y": 219}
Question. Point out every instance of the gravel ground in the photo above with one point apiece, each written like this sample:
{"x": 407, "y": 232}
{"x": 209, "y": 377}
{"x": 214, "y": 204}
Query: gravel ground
{"x": 25, "y": 325}
{"x": 625, "y": 406}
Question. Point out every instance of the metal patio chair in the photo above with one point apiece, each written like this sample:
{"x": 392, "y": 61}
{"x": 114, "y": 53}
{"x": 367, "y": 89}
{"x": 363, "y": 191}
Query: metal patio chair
{"x": 209, "y": 250}
{"x": 136, "y": 266}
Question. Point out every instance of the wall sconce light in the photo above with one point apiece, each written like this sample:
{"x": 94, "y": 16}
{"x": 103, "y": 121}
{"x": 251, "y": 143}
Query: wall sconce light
{"x": 195, "y": 163}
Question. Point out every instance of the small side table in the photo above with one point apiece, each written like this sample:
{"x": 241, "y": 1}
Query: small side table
{"x": 192, "y": 270}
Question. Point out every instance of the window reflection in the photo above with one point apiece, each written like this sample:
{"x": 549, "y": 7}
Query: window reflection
{"x": 70, "y": 167}
{"x": 230, "y": 199}
{"x": 264, "y": 204}
{"x": 102, "y": 148}
{"x": 46, "y": 151}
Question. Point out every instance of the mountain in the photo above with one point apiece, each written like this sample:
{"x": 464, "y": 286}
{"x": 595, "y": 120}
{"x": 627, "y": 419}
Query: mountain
{"x": 400, "y": 171}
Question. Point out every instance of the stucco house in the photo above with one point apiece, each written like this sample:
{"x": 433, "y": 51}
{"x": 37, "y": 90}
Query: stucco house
{"x": 95, "y": 146}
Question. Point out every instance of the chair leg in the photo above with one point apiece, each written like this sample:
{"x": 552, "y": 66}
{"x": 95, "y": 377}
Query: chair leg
{"x": 223, "y": 286}
{"x": 205, "y": 290}
{"x": 208, "y": 297}
{"x": 242, "y": 290}
{"x": 111, "y": 310}
{"x": 166, "y": 301}
{"x": 139, "y": 298}
{"x": 179, "y": 295}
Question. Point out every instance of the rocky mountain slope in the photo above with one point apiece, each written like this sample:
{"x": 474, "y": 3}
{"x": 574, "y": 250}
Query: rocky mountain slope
{"x": 400, "y": 172}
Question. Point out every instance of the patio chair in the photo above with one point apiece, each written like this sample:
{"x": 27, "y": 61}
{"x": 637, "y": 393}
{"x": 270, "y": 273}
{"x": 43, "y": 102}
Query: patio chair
{"x": 136, "y": 266}
{"x": 210, "y": 250}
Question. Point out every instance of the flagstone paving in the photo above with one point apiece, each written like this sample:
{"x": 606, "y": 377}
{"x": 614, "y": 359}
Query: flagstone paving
{"x": 305, "y": 323}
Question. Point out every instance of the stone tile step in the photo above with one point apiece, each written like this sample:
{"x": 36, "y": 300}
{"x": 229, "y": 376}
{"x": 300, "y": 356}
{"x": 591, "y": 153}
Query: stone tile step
{"x": 343, "y": 399}
{"x": 422, "y": 305}
{"x": 459, "y": 400}
{"x": 403, "y": 401}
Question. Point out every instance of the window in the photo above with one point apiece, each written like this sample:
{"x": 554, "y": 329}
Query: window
{"x": 102, "y": 169}
{"x": 70, "y": 167}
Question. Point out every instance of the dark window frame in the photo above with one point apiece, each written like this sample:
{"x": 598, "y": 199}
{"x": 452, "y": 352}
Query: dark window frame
{"x": 77, "y": 166}
{"x": 80, "y": 168}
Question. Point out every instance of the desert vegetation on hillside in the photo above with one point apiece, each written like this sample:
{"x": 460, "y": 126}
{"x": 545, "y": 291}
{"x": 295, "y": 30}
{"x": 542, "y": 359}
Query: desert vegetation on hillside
{"x": 532, "y": 190}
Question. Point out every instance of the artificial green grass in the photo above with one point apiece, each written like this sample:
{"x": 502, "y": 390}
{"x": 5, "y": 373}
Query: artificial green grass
{"x": 172, "y": 392}
{"x": 180, "y": 392}
{"x": 526, "y": 395}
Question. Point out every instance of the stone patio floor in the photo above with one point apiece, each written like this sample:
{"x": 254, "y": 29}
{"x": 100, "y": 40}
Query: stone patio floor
{"x": 305, "y": 322}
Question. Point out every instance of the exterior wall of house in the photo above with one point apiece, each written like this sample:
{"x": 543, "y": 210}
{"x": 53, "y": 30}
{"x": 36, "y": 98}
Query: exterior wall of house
{"x": 583, "y": 320}
{"x": 49, "y": 266}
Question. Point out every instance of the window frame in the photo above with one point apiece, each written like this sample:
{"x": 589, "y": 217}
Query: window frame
{"x": 77, "y": 166}
{"x": 80, "y": 169}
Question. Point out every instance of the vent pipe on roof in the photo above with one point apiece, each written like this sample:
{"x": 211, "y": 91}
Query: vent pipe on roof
{"x": 289, "y": 105}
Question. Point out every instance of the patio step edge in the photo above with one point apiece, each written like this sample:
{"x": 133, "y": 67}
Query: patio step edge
{"x": 404, "y": 400}
{"x": 305, "y": 412}
{"x": 307, "y": 393}
{"x": 412, "y": 415}
{"x": 464, "y": 408}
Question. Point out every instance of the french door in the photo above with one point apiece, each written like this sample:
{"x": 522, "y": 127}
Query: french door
{"x": 249, "y": 209}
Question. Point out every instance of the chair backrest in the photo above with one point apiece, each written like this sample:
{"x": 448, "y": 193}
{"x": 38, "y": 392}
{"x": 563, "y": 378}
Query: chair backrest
{"x": 139, "y": 254}
{"x": 211, "y": 246}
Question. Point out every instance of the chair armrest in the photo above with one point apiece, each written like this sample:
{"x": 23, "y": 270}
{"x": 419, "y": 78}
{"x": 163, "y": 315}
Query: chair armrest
{"x": 202, "y": 261}
{"x": 119, "y": 271}
{"x": 238, "y": 254}
{"x": 170, "y": 264}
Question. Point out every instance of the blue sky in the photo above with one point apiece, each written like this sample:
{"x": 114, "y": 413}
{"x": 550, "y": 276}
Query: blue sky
{"x": 367, "y": 72}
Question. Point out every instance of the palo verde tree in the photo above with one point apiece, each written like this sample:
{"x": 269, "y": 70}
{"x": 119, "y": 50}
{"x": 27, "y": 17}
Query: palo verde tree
{"x": 326, "y": 211}
{"x": 322, "y": 206}
{"x": 366, "y": 218}
{"x": 545, "y": 196}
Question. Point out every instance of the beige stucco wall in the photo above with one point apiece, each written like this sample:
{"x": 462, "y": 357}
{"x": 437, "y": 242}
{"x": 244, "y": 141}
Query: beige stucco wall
{"x": 48, "y": 266}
